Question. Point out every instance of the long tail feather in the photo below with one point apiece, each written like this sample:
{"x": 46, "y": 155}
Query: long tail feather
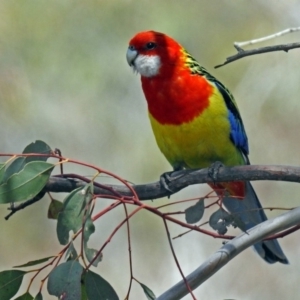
{"x": 250, "y": 211}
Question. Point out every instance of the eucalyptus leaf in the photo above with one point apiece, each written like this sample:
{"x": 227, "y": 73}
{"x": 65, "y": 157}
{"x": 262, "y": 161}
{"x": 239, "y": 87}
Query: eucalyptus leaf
{"x": 149, "y": 294}
{"x": 27, "y": 183}
{"x": 37, "y": 147}
{"x": 98, "y": 288}
{"x": 71, "y": 217}
{"x": 64, "y": 281}
{"x": 194, "y": 213}
{"x": 10, "y": 282}
{"x": 220, "y": 220}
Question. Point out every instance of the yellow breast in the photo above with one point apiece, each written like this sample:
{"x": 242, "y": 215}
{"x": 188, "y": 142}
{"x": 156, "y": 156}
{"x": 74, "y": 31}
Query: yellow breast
{"x": 201, "y": 142}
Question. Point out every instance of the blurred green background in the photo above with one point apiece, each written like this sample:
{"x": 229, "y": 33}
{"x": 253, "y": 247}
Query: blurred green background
{"x": 64, "y": 79}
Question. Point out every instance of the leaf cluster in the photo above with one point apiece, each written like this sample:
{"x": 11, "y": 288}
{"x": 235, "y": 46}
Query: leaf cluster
{"x": 23, "y": 178}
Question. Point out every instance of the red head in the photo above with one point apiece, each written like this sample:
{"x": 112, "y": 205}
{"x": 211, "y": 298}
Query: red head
{"x": 148, "y": 49}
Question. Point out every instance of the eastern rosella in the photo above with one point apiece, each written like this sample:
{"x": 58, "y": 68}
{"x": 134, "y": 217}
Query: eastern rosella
{"x": 196, "y": 122}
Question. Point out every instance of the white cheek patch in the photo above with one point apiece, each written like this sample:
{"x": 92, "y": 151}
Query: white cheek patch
{"x": 146, "y": 65}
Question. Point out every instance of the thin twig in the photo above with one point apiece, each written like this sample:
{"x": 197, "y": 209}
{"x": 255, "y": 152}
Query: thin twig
{"x": 129, "y": 251}
{"x": 176, "y": 260}
{"x": 268, "y": 37}
{"x": 243, "y": 53}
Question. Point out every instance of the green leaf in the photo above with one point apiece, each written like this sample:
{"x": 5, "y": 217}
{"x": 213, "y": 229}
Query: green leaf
{"x": 64, "y": 281}
{"x": 87, "y": 192}
{"x": 71, "y": 253}
{"x": 10, "y": 282}
{"x": 2, "y": 170}
{"x": 14, "y": 167}
{"x": 54, "y": 209}
{"x": 25, "y": 296}
{"x": 220, "y": 220}
{"x": 98, "y": 288}
{"x": 27, "y": 183}
{"x": 149, "y": 294}
{"x": 194, "y": 213}
{"x": 34, "y": 262}
{"x": 91, "y": 253}
{"x": 71, "y": 217}
{"x": 83, "y": 290}
{"x": 37, "y": 147}
{"x": 18, "y": 164}
{"x": 39, "y": 296}
{"x": 89, "y": 229}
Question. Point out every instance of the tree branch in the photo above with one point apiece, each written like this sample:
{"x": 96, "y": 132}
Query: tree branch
{"x": 243, "y": 53}
{"x": 268, "y": 37}
{"x": 231, "y": 249}
{"x": 177, "y": 181}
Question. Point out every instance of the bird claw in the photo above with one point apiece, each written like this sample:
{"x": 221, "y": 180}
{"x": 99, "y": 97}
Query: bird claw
{"x": 213, "y": 170}
{"x": 165, "y": 179}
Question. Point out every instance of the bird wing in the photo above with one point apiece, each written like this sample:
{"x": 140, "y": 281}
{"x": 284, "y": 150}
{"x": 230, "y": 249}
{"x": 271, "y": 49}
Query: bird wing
{"x": 237, "y": 133}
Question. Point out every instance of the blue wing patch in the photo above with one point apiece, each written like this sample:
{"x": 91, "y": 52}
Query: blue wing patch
{"x": 237, "y": 133}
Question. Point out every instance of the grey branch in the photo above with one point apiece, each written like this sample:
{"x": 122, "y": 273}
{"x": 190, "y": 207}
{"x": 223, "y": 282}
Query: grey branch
{"x": 226, "y": 253}
{"x": 243, "y": 53}
{"x": 268, "y": 37}
{"x": 177, "y": 181}
{"x": 182, "y": 179}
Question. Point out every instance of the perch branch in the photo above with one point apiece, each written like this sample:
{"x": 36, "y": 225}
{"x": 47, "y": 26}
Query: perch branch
{"x": 184, "y": 178}
{"x": 231, "y": 249}
{"x": 178, "y": 181}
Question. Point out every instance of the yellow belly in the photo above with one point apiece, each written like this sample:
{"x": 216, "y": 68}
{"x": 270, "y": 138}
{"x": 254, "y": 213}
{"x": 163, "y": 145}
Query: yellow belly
{"x": 201, "y": 142}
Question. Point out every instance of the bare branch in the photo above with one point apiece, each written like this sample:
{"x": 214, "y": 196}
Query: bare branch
{"x": 268, "y": 37}
{"x": 226, "y": 253}
{"x": 243, "y": 53}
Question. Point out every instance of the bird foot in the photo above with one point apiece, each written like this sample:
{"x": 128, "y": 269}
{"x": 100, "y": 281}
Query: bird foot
{"x": 213, "y": 170}
{"x": 165, "y": 179}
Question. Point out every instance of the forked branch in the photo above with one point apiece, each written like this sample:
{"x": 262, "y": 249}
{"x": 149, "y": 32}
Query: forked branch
{"x": 243, "y": 53}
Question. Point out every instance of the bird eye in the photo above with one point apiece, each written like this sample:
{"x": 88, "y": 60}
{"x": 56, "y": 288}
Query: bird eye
{"x": 131, "y": 47}
{"x": 150, "y": 46}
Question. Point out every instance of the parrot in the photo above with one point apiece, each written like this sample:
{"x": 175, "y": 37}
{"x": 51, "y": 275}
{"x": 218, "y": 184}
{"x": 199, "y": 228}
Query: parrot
{"x": 196, "y": 122}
